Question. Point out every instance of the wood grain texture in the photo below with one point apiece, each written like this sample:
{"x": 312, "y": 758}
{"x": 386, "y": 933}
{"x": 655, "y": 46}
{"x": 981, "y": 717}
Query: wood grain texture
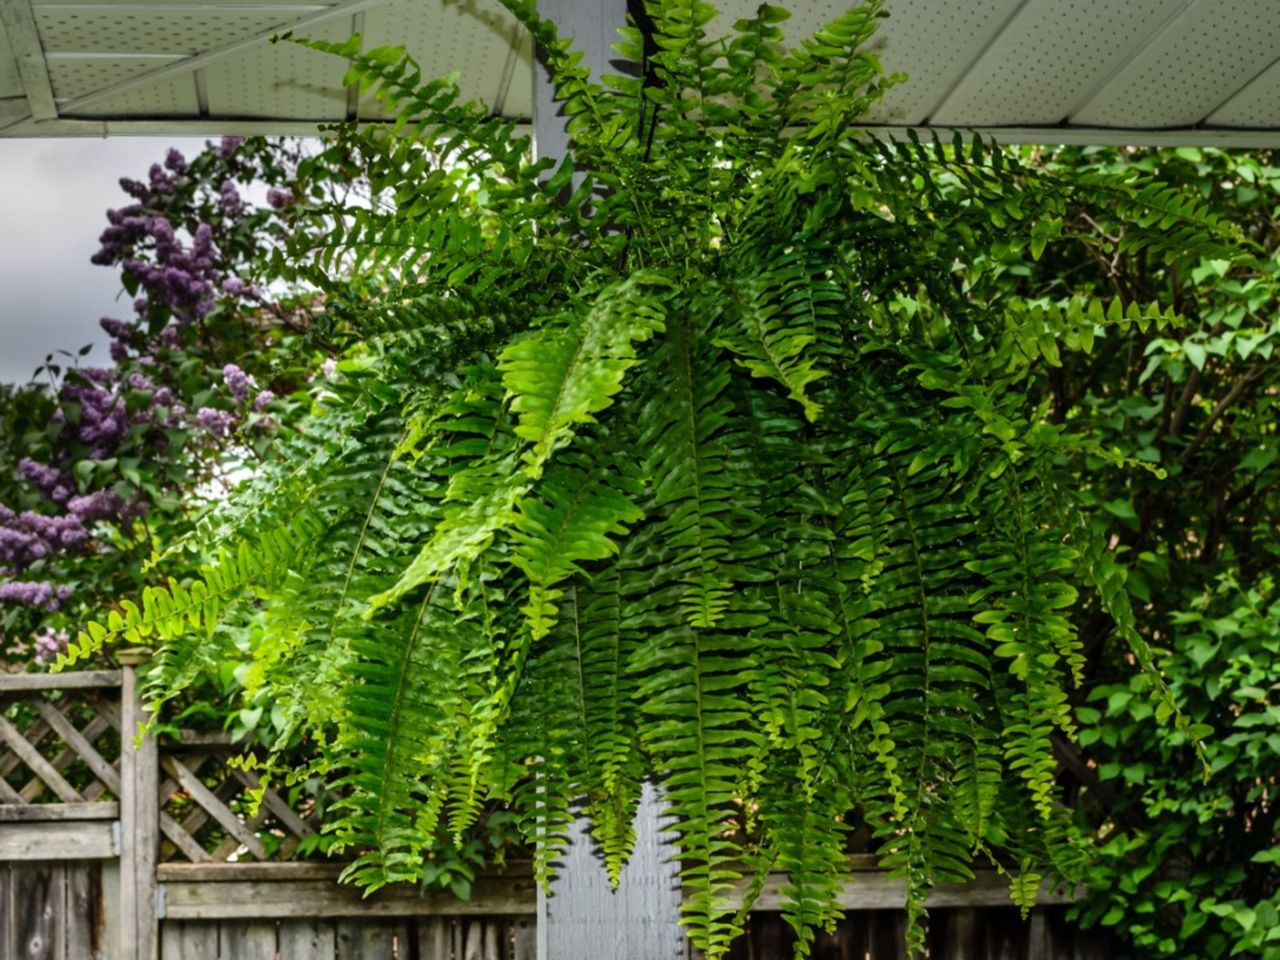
{"x": 80, "y": 680}
{"x": 306, "y": 939}
{"x": 252, "y": 940}
{"x": 44, "y": 812}
{"x": 203, "y": 900}
{"x": 139, "y": 822}
{"x": 38, "y": 912}
{"x": 197, "y": 940}
{"x": 42, "y": 768}
{"x": 58, "y": 840}
{"x": 86, "y": 920}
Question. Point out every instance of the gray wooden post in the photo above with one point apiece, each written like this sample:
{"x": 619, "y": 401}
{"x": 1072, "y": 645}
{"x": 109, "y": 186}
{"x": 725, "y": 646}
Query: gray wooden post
{"x": 593, "y": 25}
{"x": 583, "y": 919}
{"x": 139, "y": 824}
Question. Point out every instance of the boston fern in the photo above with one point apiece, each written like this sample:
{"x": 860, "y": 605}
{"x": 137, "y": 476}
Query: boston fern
{"x": 694, "y": 457}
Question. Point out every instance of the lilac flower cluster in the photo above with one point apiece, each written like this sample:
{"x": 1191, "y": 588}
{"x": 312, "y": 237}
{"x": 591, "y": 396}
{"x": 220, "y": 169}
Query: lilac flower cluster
{"x": 49, "y": 644}
{"x": 35, "y": 593}
{"x": 29, "y": 536}
{"x": 217, "y": 422}
{"x": 229, "y": 199}
{"x": 50, "y": 481}
{"x": 183, "y": 280}
{"x": 237, "y": 381}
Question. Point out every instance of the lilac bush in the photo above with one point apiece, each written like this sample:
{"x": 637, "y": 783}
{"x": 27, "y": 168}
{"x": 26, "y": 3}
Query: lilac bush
{"x": 110, "y": 472}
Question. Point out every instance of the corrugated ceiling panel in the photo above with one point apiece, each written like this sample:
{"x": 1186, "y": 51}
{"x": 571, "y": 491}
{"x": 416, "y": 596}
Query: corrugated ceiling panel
{"x": 1200, "y": 61}
{"x": 80, "y": 75}
{"x": 137, "y": 29}
{"x": 1257, "y": 105}
{"x": 283, "y": 80}
{"x": 1050, "y": 57}
{"x": 474, "y": 38}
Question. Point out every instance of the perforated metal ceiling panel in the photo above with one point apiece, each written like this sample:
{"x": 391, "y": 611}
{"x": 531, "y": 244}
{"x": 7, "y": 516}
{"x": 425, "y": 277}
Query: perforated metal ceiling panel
{"x": 1191, "y": 66}
{"x": 481, "y": 40}
{"x": 1049, "y": 58}
{"x": 281, "y": 81}
{"x": 1173, "y": 71}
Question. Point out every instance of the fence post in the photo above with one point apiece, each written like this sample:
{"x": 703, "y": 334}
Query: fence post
{"x": 139, "y": 822}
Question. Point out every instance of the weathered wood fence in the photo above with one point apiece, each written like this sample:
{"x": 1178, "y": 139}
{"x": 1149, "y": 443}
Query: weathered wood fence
{"x": 116, "y": 849}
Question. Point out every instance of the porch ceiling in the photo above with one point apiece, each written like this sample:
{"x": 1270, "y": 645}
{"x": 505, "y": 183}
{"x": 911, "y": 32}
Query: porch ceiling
{"x": 1097, "y": 71}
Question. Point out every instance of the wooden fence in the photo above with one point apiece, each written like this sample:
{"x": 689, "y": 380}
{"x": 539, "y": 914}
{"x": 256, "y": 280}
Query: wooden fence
{"x": 108, "y": 852}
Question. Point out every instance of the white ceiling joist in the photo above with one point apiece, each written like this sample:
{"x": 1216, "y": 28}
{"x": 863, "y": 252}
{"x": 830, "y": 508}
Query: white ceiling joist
{"x": 24, "y": 40}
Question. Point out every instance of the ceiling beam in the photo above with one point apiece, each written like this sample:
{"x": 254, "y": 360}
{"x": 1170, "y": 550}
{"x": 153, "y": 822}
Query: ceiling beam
{"x": 344, "y": 8}
{"x": 24, "y": 40}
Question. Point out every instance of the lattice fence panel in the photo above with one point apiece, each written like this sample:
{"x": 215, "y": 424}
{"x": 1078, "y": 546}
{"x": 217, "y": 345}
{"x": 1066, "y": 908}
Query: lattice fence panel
{"x": 209, "y": 813}
{"x": 58, "y": 747}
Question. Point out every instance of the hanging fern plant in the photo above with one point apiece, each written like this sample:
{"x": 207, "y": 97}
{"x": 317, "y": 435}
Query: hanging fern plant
{"x": 705, "y": 467}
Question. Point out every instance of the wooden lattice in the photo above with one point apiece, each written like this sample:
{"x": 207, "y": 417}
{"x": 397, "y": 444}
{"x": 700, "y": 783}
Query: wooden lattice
{"x": 207, "y": 814}
{"x": 60, "y": 756}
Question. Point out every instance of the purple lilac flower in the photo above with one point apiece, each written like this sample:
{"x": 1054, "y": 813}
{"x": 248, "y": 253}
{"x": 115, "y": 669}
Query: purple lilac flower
{"x": 116, "y": 328}
{"x": 235, "y": 287}
{"x": 329, "y": 368}
{"x": 229, "y": 198}
{"x": 163, "y": 396}
{"x": 64, "y": 532}
{"x": 175, "y": 161}
{"x": 263, "y": 400}
{"x": 49, "y": 644}
{"x": 161, "y": 182}
{"x": 217, "y": 422}
{"x": 279, "y": 199}
{"x": 138, "y": 381}
{"x": 34, "y": 593}
{"x": 228, "y": 146}
{"x": 48, "y": 480}
{"x": 238, "y": 382}
{"x": 98, "y": 505}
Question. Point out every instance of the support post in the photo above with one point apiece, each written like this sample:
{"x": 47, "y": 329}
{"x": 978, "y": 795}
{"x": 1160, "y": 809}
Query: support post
{"x": 593, "y": 25}
{"x": 582, "y": 919}
{"x": 139, "y": 825}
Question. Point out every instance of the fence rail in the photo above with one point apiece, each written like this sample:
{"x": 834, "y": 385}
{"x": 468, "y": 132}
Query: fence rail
{"x": 111, "y": 852}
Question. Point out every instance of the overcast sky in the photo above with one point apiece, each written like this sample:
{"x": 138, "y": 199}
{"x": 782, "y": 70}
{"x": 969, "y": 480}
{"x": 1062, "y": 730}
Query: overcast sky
{"x": 54, "y": 195}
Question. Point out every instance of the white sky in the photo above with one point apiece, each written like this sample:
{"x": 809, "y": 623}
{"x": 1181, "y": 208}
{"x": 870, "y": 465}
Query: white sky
{"x": 54, "y": 195}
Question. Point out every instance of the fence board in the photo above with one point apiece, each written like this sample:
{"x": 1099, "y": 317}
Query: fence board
{"x": 373, "y": 940}
{"x": 85, "y": 921}
{"x": 33, "y": 812}
{"x": 435, "y": 938}
{"x": 320, "y": 898}
{"x": 79, "y": 680}
{"x": 188, "y": 941}
{"x": 307, "y": 940}
{"x": 39, "y": 908}
{"x": 524, "y": 939}
{"x": 68, "y": 840}
{"x": 255, "y": 940}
